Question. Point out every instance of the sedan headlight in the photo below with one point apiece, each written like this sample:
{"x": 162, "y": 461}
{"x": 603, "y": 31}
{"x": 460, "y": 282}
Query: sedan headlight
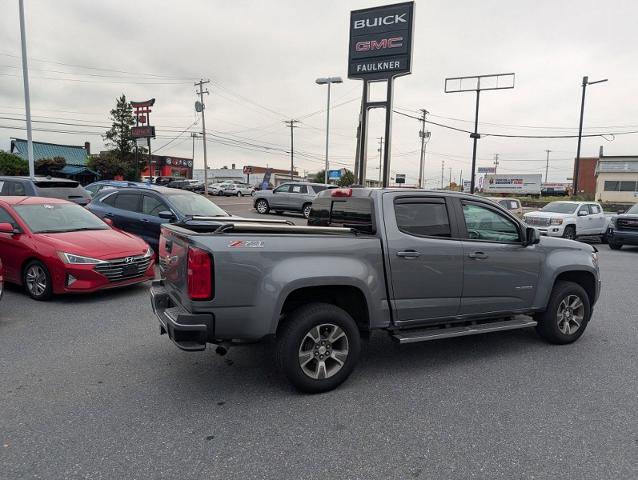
{"x": 556, "y": 221}
{"x": 73, "y": 259}
{"x": 149, "y": 252}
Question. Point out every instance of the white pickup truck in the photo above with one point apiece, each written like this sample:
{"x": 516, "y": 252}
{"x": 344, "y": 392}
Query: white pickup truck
{"x": 570, "y": 220}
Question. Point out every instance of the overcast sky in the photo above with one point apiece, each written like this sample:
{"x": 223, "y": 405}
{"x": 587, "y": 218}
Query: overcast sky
{"x": 263, "y": 58}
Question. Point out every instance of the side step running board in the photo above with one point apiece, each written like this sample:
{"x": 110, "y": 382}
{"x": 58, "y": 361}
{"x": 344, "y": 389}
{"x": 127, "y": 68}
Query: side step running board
{"x": 435, "y": 333}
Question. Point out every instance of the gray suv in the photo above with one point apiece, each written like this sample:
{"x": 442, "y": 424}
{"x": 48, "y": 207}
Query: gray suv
{"x": 289, "y": 197}
{"x": 62, "y": 188}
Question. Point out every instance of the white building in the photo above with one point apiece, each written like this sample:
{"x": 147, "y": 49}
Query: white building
{"x": 617, "y": 179}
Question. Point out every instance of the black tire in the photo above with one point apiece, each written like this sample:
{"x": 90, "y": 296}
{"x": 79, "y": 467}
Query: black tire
{"x": 614, "y": 245}
{"x": 604, "y": 239}
{"x": 551, "y": 325}
{"x": 570, "y": 232}
{"x": 295, "y": 336}
{"x": 239, "y": 194}
{"x": 305, "y": 210}
{"x": 262, "y": 206}
{"x": 34, "y": 275}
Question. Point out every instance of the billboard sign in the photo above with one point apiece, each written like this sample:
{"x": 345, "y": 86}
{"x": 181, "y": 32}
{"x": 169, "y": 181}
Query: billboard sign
{"x": 486, "y": 170}
{"x": 381, "y": 41}
{"x": 334, "y": 174}
{"x": 399, "y": 178}
{"x": 144, "y": 131}
{"x": 521, "y": 184}
{"x": 467, "y": 185}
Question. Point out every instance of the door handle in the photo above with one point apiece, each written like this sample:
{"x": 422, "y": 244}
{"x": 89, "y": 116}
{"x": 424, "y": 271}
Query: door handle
{"x": 478, "y": 255}
{"x": 145, "y": 220}
{"x": 408, "y": 254}
{"x": 108, "y": 214}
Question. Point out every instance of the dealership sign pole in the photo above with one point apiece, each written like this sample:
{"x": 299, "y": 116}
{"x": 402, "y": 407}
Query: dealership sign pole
{"x": 380, "y": 50}
{"x": 143, "y": 129}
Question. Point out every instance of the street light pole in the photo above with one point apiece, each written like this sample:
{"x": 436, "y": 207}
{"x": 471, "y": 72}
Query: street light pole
{"x": 580, "y": 128}
{"x": 27, "y": 97}
{"x": 547, "y": 165}
{"x": 424, "y": 134}
{"x": 328, "y": 81}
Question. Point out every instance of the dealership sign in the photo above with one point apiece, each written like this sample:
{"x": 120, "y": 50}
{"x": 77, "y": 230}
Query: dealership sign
{"x": 381, "y": 41}
{"x": 486, "y": 169}
{"x": 143, "y": 131}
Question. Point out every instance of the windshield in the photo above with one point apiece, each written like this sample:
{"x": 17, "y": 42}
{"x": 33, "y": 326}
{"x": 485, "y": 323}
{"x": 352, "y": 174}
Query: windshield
{"x": 559, "y": 207}
{"x": 633, "y": 210}
{"x": 193, "y": 204}
{"x": 58, "y": 217}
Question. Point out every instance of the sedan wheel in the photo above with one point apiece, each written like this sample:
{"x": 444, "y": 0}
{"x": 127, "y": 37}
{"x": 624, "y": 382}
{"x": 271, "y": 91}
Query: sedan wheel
{"x": 306, "y": 210}
{"x": 239, "y": 194}
{"x": 37, "y": 281}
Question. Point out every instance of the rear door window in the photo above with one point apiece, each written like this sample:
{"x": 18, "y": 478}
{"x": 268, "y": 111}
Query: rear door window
{"x": 594, "y": 208}
{"x": 423, "y": 218}
{"x": 128, "y": 201}
{"x": 6, "y": 218}
{"x": 302, "y": 189}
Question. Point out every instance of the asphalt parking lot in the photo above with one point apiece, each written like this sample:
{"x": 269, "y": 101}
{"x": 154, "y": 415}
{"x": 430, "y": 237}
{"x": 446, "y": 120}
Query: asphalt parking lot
{"x": 90, "y": 390}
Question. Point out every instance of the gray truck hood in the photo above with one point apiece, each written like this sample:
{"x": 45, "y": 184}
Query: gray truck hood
{"x": 551, "y": 243}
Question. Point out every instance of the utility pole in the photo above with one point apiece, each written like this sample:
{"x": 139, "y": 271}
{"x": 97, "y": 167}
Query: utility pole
{"x": 291, "y": 124}
{"x": 496, "y": 164}
{"x": 201, "y": 93}
{"x": 442, "y": 172}
{"x": 547, "y": 165}
{"x": 461, "y": 181}
{"x": 27, "y": 97}
{"x": 380, "y": 150}
{"x": 424, "y": 135}
{"x": 193, "y": 136}
{"x": 580, "y": 129}
{"x": 450, "y": 178}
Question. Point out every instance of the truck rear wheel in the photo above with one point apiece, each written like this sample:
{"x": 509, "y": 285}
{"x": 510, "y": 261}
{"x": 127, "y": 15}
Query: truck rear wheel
{"x": 567, "y": 314}
{"x": 318, "y": 347}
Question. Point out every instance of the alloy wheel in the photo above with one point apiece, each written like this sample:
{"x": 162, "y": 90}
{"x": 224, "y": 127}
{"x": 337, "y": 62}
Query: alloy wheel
{"x": 262, "y": 206}
{"x": 36, "y": 280}
{"x": 323, "y": 351}
{"x": 570, "y": 314}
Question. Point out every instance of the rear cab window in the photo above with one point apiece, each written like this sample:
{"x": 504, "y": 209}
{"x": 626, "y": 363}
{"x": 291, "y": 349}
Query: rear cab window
{"x": 353, "y": 212}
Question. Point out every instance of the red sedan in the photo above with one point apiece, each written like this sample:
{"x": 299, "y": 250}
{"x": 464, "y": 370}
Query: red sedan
{"x": 53, "y": 246}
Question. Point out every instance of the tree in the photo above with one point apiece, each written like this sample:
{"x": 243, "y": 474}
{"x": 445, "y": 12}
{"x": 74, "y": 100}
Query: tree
{"x": 347, "y": 179}
{"x": 11, "y": 164}
{"x": 49, "y": 166}
{"x": 109, "y": 165}
{"x": 318, "y": 177}
{"x": 119, "y": 135}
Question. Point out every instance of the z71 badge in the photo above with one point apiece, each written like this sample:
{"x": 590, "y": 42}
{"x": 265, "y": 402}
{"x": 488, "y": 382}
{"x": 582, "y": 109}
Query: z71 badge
{"x": 246, "y": 244}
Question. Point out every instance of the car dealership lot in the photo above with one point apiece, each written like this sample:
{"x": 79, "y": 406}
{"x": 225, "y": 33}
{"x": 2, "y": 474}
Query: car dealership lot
{"x": 90, "y": 390}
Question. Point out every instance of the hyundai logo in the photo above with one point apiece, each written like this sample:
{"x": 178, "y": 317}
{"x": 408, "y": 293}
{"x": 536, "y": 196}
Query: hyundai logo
{"x": 128, "y": 260}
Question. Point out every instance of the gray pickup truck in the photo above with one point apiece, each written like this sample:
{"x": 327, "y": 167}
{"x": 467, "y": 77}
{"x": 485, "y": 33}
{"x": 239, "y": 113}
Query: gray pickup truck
{"x": 418, "y": 265}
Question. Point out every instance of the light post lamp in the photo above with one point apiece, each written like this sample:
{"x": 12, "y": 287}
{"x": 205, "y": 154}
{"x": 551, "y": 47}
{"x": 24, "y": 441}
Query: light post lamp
{"x": 580, "y": 128}
{"x": 328, "y": 81}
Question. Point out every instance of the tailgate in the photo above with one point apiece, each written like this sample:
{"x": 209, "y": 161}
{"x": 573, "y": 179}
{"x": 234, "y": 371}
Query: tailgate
{"x": 173, "y": 260}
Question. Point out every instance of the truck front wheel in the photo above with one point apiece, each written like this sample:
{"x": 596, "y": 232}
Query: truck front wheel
{"x": 570, "y": 232}
{"x": 318, "y": 347}
{"x": 567, "y": 314}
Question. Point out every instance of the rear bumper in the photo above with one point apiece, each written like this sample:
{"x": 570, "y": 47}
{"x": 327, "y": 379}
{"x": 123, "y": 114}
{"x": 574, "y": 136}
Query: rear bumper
{"x": 625, "y": 237}
{"x": 188, "y": 331}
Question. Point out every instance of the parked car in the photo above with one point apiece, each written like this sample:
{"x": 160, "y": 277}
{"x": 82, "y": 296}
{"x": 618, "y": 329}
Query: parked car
{"x": 195, "y": 186}
{"x": 95, "y": 187}
{"x": 418, "y": 265}
{"x": 512, "y": 204}
{"x": 288, "y": 197}
{"x": 53, "y": 246}
{"x": 238, "y": 190}
{"x": 62, "y": 188}
{"x": 570, "y": 220}
{"x": 180, "y": 183}
{"x": 216, "y": 188}
{"x": 1, "y": 279}
{"x": 623, "y": 229}
{"x": 141, "y": 211}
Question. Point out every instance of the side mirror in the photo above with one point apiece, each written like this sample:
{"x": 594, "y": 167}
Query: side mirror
{"x": 108, "y": 221}
{"x": 532, "y": 236}
{"x": 6, "y": 228}
{"x": 582, "y": 213}
{"x": 166, "y": 215}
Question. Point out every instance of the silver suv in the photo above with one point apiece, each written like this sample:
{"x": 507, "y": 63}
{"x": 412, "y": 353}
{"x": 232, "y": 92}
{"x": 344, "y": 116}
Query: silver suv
{"x": 289, "y": 197}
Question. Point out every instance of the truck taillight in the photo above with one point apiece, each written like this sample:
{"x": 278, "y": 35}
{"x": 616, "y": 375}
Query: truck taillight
{"x": 200, "y": 274}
